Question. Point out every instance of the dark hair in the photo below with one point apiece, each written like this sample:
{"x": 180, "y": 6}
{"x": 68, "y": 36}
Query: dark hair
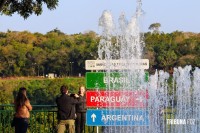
{"x": 63, "y": 89}
{"x": 21, "y": 97}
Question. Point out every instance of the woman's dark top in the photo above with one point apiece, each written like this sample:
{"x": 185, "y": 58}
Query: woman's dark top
{"x": 81, "y": 108}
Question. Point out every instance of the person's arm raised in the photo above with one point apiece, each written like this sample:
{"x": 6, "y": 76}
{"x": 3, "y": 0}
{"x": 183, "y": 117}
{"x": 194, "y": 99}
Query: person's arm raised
{"x": 28, "y": 105}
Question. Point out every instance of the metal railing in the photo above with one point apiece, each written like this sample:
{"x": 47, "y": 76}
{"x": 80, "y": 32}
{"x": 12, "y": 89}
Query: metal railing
{"x": 43, "y": 119}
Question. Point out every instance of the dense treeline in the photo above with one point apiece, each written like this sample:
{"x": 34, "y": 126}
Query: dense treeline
{"x": 36, "y": 54}
{"x": 166, "y": 51}
{"x": 41, "y": 91}
{"x": 27, "y": 54}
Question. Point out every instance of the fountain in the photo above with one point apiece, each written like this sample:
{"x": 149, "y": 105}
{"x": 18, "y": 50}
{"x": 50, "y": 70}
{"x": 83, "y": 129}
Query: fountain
{"x": 168, "y": 107}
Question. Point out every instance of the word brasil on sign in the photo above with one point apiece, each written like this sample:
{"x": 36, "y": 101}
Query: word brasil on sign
{"x": 114, "y": 79}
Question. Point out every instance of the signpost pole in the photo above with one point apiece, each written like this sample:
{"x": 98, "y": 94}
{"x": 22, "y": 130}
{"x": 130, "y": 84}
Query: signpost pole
{"x": 97, "y": 126}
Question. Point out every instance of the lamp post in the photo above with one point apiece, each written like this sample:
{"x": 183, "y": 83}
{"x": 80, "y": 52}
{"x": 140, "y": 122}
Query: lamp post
{"x": 38, "y": 70}
{"x": 34, "y": 69}
{"x": 71, "y": 65}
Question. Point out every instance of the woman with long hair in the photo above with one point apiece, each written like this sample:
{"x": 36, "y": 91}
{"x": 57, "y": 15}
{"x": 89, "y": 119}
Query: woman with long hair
{"x": 22, "y": 108}
{"x": 81, "y": 111}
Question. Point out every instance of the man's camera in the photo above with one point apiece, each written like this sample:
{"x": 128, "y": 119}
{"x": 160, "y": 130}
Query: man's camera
{"x": 72, "y": 95}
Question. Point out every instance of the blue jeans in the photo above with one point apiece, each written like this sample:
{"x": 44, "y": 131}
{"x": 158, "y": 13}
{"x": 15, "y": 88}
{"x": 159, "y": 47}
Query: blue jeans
{"x": 21, "y": 125}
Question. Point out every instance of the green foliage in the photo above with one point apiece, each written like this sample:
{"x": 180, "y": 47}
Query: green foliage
{"x": 197, "y": 61}
{"x": 166, "y": 51}
{"x": 155, "y": 27}
{"x": 40, "y": 91}
{"x": 26, "y": 7}
{"x": 27, "y": 54}
{"x": 166, "y": 59}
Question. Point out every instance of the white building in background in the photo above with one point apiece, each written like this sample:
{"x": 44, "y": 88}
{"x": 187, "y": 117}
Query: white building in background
{"x": 51, "y": 75}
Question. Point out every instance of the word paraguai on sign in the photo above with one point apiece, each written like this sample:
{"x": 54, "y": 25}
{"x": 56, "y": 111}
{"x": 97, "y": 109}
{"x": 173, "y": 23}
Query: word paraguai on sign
{"x": 109, "y": 99}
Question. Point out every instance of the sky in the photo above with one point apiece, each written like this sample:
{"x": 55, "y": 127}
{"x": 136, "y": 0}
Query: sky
{"x": 77, "y": 16}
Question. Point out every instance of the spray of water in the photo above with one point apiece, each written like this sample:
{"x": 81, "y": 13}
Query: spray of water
{"x": 172, "y": 99}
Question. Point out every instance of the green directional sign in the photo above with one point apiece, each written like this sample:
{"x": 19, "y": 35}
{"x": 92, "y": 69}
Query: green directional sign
{"x": 116, "y": 80}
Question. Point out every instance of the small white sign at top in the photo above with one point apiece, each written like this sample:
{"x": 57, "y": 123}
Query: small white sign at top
{"x": 116, "y": 64}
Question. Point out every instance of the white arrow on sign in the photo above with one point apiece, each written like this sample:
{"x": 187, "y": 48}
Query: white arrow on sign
{"x": 140, "y": 99}
{"x": 93, "y": 116}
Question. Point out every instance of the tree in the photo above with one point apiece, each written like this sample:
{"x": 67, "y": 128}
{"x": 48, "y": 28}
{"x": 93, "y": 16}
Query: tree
{"x": 155, "y": 27}
{"x": 56, "y": 30}
{"x": 166, "y": 59}
{"x": 25, "y": 7}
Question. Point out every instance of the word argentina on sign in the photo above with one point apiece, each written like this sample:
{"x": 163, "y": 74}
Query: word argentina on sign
{"x": 137, "y": 98}
{"x": 114, "y": 79}
{"x": 117, "y": 117}
{"x": 116, "y": 64}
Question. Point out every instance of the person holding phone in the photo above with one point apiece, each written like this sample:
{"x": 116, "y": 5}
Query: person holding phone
{"x": 22, "y": 114}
